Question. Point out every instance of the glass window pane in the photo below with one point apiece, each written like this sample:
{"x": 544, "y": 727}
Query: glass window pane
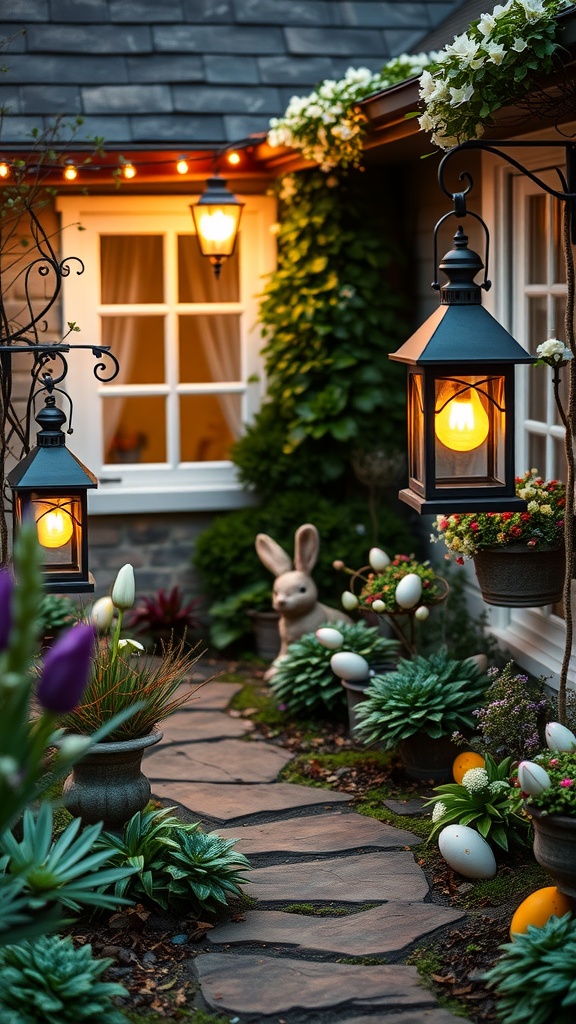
{"x": 559, "y": 332}
{"x": 135, "y": 429}
{"x": 197, "y": 281}
{"x": 131, "y": 268}
{"x": 537, "y": 453}
{"x": 209, "y": 349}
{"x": 537, "y": 272}
{"x": 538, "y": 382}
{"x": 559, "y": 469}
{"x": 138, "y": 344}
{"x": 559, "y": 274}
{"x": 208, "y": 426}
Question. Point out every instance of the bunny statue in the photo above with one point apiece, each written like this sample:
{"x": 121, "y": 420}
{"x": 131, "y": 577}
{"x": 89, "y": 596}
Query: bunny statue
{"x": 295, "y": 596}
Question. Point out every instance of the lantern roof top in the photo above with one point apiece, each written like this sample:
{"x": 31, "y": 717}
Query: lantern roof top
{"x": 461, "y": 334}
{"x": 54, "y": 468}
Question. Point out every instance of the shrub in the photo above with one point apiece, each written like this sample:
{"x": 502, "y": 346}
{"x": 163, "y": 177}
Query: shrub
{"x": 534, "y": 980}
{"x": 230, "y": 619}
{"x": 178, "y": 866}
{"x": 48, "y": 981}
{"x": 434, "y": 695}
{"x": 304, "y": 682}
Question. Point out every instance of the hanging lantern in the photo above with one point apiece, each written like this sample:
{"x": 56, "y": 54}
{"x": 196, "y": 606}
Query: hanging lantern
{"x": 50, "y": 485}
{"x": 461, "y": 399}
{"x": 216, "y": 218}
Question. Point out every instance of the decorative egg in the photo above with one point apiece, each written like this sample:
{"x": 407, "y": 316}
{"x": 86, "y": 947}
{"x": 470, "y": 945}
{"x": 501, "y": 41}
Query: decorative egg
{"x": 465, "y": 851}
{"x": 349, "y": 601}
{"x": 409, "y": 590}
{"x": 558, "y": 737}
{"x": 329, "y": 637}
{"x": 378, "y": 559}
{"x": 378, "y": 606}
{"x": 537, "y": 908}
{"x": 533, "y": 778}
{"x": 349, "y": 666}
{"x": 422, "y": 613}
{"x": 464, "y": 762}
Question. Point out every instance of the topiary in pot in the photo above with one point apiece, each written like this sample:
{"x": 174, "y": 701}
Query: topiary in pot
{"x": 534, "y": 979}
{"x": 304, "y": 682}
{"x": 424, "y": 698}
{"x": 48, "y": 981}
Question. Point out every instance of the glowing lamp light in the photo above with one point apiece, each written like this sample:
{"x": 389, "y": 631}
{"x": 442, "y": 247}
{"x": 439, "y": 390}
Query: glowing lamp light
{"x": 70, "y": 171}
{"x": 54, "y": 524}
{"x": 462, "y": 424}
{"x": 182, "y": 165}
{"x": 128, "y": 171}
{"x": 234, "y": 158}
{"x": 4, "y": 169}
{"x": 216, "y": 218}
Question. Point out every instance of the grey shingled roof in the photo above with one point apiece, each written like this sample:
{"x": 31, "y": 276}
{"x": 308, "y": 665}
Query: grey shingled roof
{"x": 188, "y": 72}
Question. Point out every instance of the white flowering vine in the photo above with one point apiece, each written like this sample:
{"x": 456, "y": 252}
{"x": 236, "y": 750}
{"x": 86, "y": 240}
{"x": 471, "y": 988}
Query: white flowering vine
{"x": 487, "y": 67}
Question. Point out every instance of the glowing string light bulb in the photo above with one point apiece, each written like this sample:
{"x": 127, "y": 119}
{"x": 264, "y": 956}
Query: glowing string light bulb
{"x": 128, "y": 171}
{"x": 182, "y": 165}
{"x": 70, "y": 171}
{"x": 4, "y": 169}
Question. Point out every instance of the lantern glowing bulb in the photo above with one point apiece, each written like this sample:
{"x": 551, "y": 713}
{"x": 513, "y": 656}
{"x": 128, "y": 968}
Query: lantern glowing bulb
{"x": 217, "y": 226}
{"x": 54, "y": 528}
{"x": 462, "y": 424}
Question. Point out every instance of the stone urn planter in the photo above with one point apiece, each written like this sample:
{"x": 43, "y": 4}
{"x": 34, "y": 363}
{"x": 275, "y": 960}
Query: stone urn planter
{"x": 266, "y": 633}
{"x": 108, "y": 784}
{"x": 555, "y": 847}
{"x": 515, "y": 576}
{"x": 426, "y": 758}
{"x": 356, "y": 692}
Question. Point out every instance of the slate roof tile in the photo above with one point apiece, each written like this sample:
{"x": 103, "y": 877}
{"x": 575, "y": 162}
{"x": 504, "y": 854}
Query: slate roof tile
{"x": 300, "y": 71}
{"x": 24, "y": 10}
{"x": 332, "y": 41}
{"x": 127, "y": 99}
{"x": 225, "y": 99}
{"x": 36, "y": 99}
{"x": 202, "y": 39}
{"x": 66, "y": 39}
{"x": 145, "y": 11}
{"x": 71, "y": 10}
{"x": 178, "y": 128}
{"x": 206, "y": 11}
{"x": 286, "y": 12}
{"x": 52, "y": 70}
{"x": 166, "y": 68}
{"x": 218, "y": 68}
{"x": 384, "y": 15}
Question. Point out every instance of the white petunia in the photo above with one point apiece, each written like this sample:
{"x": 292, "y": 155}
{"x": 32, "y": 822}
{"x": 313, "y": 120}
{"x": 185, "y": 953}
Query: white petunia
{"x": 487, "y": 24}
{"x": 519, "y": 44}
{"x": 496, "y": 52}
{"x": 460, "y": 96}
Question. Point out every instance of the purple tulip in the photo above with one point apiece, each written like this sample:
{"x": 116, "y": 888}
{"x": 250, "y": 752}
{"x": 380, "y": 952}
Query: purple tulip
{"x": 65, "y": 670}
{"x": 6, "y": 588}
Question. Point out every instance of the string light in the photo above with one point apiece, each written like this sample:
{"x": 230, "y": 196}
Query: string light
{"x": 128, "y": 171}
{"x": 182, "y": 165}
{"x": 233, "y": 158}
{"x": 4, "y": 169}
{"x": 70, "y": 171}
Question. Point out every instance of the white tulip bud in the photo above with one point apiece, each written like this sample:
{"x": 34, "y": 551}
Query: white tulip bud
{"x": 349, "y": 601}
{"x": 378, "y": 559}
{"x": 102, "y": 614}
{"x": 558, "y": 737}
{"x": 533, "y": 778}
{"x": 134, "y": 644}
{"x": 124, "y": 589}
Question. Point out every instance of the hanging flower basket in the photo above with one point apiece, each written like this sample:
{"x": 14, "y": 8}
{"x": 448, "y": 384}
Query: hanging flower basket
{"x": 515, "y": 576}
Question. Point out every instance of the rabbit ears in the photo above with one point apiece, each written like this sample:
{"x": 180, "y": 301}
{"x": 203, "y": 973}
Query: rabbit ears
{"x": 306, "y": 545}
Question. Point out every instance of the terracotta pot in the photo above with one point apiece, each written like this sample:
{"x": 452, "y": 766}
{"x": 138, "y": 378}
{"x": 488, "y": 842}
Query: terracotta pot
{"x": 107, "y": 784}
{"x": 426, "y": 758}
{"x": 515, "y": 576}
{"x": 555, "y": 847}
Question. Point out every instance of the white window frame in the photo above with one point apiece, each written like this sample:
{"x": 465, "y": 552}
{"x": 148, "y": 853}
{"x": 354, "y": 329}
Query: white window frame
{"x": 159, "y": 487}
{"x": 533, "y": 636}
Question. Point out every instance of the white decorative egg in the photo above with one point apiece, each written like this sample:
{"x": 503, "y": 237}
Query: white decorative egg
{"x": 409, "y": 590}
{"x": 558, "y": 737}
{"x": 422, "y": 613}
{"x": 349, "y": 666}
{"x": 465, "y": 851}
{"x": 533, "y": 778}
{"x": 378, "y": 606}
{"x": 378, "y": 559}
{"x": 329, "y": 637}
{"x": 349, "y": 601}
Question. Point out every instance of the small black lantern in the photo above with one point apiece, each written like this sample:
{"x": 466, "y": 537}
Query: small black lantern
{"x": 50, "y": 485}
{"x": 216, "y": 218}
{"x": 461, "y": 399}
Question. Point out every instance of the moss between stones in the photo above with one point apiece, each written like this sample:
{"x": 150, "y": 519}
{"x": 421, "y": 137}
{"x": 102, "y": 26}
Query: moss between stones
{"x": 313, "y": 910}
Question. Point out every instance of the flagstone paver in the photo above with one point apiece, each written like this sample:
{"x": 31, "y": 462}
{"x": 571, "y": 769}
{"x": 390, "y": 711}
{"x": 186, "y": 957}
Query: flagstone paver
{"x": 431, "y": 1016}
{"x": 228, "y": 761}
{"x": 228, "y": 802}
{"x": 203, "y": 725}
{"x": 210, "y": 694}
{"x": 386, "y": 929}
{"x": 266, "y": 985}
{"x": 318, "y": 833}
{"x": 352, "y": 879}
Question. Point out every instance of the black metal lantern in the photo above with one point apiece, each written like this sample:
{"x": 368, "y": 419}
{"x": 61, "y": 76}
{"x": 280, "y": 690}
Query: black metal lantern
{"x": 461, "y": 399}
{"x": 216, "y": 218}
{"x": 50, "y": 485}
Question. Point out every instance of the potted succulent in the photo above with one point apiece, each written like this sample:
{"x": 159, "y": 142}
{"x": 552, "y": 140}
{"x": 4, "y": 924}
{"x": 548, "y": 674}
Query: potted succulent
{"x": 519, "y": 557}
{"x": 108, "y": 784}
{"x": 548, "y": 784}
{"x": 165, "y": 615}
{"x": 416, "y": 708}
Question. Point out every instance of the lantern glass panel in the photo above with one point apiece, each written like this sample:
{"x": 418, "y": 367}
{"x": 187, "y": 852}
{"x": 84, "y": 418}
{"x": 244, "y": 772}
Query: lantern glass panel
{"x": 469, "y": 435}
{"x": 58, "y": 521}
{"x": 416, "y": 428}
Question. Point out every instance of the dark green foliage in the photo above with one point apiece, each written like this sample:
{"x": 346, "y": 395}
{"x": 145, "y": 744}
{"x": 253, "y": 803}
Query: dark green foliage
{"x": 48, "y": 981}
{"x": 230, "y": 619}
{"x": 455, "y": 628}
{"x": 304, "y": 681}
{"x": 226, "y": 558}
{"x": 55, "y": 613}
{"x": 179, "y": 867}
{"x": 434, "y": 695}
{"x": 535, "y": 979}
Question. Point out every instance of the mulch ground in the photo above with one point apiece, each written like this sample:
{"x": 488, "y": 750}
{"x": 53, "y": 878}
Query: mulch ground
{"x": 152, "y": 954}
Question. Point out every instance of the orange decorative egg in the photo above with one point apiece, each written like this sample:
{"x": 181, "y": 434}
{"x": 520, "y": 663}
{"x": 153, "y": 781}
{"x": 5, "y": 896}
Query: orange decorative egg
{"x": 538, "y": 907}
{"x": 466, "y": 760}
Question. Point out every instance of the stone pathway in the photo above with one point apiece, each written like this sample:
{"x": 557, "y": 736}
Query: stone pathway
{"x": 305, "y": 847}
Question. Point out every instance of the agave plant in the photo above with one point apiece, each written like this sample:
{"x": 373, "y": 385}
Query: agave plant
{"x": 434, "y": 695}
{"x": 178, "y": 867}
{"x": 48, "y": 981}
{"x": 484, "y": 800}
{"x": 304, "y": 681}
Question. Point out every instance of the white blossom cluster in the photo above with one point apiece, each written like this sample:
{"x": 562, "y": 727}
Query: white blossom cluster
{"x": 554, "y": 352}
{"x": 475, "y": 780}
{"x": 439, "y": 810}
{"x": 486, "y": 67}
{"x": 327, "y": 126}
